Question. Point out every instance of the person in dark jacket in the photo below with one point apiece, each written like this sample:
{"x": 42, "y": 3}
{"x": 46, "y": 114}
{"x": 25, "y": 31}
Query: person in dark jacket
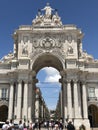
{"x": 70, "y": 126}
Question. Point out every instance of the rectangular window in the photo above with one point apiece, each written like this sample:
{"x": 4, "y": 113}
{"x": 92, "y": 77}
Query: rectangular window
{"x": 91, "y": 92}
{"x": 4, "y": 93}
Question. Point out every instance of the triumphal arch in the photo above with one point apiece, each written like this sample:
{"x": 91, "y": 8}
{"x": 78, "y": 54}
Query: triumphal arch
{"x": 47, "y": 42}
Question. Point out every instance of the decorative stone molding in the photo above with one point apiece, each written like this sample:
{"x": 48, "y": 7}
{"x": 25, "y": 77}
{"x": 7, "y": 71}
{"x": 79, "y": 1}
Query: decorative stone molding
{"x": 75, "y": 80}
{"x": 12, "y": 82}
{"x": 4, "y": 102}
{"x": 47, "y": 43}
{"x": 70, "y": 50}
{"x": 26, "y": 81}
{"x": 69, "y": 38}
{"x": 25, "y": 49}
{"x": 20, "y": 81}
{"x": 68, "y": 80}
{"x": 84, "y": 82}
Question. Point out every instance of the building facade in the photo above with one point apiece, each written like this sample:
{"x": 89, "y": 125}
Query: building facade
{"x": 47, "y": 42}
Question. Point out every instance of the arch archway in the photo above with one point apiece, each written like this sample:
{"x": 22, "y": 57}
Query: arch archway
{"x": 3, "y": 113}
{"x": 93, "y": 115}
{"x": 47, "y": 60}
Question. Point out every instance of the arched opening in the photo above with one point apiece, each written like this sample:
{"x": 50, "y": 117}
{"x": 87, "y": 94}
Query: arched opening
{"x": 47, "y": 68}
{"x": 50, "y": 87}
{"x": 93, "y": 115}
{"x": 3, "y": 113}
{"x": 47, "y": 60}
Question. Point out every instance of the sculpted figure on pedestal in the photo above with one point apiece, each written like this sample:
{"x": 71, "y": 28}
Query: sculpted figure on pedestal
{"x": 48, "y": 10}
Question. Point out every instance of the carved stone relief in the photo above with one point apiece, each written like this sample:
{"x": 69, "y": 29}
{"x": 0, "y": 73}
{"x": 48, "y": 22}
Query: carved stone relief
{"x": 25, "y": 49}
{"x": 47, "y": 43}
{"x": 70, "y": 50}
{"x": 25, "y": 39}
{"x": 69, "y": 38}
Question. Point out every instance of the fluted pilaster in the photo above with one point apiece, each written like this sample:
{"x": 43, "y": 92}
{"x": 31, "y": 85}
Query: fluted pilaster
{"x": 30, "y": 96}
{"x": 84, "y": 99}
{"x": 69, "y": 100}
{"x": 10, "y": 113}
{"x": 76, "y": 100}
{"x": 25, "y": 101}
{"x": 19, "y": 100}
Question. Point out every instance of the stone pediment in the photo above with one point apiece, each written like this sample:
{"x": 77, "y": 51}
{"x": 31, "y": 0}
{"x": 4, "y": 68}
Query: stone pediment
{"x": 49, "y": 18}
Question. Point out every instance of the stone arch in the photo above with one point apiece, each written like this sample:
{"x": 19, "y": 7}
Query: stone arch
{"x": 3, "y": 113}
{"x": 93, "y": 115}
{"x": 48, "y": 60}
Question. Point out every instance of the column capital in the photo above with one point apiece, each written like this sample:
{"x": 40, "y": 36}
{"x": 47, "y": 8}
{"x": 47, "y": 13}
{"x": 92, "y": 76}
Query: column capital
{"x": 30, "y": 81}
{"x": 19, "y": 80}
{"x": 75, "y": 80}
{"x": 35, "y": 80}
{"x": 26, "y": 81}
{"x": 63, "y": 80}
{"x": 12, "y": 82}
{"x": 68, "y": 80}
{"x": 63, "y": 73}
{"x": 83, "y": 82}
{"x": 33, "y": 73}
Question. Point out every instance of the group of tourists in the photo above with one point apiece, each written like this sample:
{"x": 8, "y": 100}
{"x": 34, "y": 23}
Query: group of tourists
{"x": 49, "y": 125}
{"x": 8, "y": 125}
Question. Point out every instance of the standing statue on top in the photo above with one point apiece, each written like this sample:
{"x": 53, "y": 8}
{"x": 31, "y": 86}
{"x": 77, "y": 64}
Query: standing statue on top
{"x": 48, "y": 10}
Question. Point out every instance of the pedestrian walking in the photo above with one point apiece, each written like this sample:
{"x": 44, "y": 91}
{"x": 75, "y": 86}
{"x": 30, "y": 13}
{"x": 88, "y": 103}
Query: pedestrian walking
{"x": 70, "y": 126}
{"x": 20, "y": 125}
{"x": 6, "y": 126}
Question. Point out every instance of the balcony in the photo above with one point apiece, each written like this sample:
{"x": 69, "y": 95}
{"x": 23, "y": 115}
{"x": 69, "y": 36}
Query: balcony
{"x": 4, "y": 99}
{"x": 92, "y": 99}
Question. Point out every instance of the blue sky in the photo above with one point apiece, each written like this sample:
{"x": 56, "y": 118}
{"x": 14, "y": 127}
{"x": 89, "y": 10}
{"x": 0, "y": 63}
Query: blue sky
{"x": 83, "y": 13}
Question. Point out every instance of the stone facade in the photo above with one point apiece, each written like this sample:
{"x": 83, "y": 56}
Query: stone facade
{"x": 47, "y": 42}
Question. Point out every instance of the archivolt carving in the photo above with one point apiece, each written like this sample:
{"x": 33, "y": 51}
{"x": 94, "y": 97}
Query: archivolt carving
{"x": 55, "y": 53}
{"x": 4, "y": 102}
{"x": 34, "y": 53}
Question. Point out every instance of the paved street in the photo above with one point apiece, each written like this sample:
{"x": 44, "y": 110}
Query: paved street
{"x": 63, "y": 129}
{"x": 66, "y": 129}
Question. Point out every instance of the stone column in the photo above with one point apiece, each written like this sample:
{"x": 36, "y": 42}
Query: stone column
{"x": 76, "y": 100}
{"x": 84, "y": 99}
{"x": 69, "y": 100}
{"x": 10, "y": 114}
{"x": 61, "y": 101}
{"x": 37, "y": 104}
{"x": 25, "y": 101}
{"x": 30, "y": 96}
{"x": 19, "y": 100}
{"x": 65, "y": 97}
{"x": 15, "y": 104}
{"x": 42, "y": 108}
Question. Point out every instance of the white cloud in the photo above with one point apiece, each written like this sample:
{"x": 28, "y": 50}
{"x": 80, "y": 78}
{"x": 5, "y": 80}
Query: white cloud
{"x": 52, "y": 74}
